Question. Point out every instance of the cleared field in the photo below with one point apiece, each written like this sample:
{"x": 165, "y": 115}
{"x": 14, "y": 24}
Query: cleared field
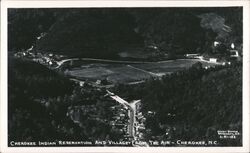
{"x": 116, "y": 73}
{"x": 170, "y": 66}
{"x": 123, "y": 73}
{"x": 126, "y": 74}
{"x": 91, "y": 73}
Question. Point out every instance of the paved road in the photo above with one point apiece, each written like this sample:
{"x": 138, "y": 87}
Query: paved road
{"x": 59, "y": 63}
{"x": 132, "y": 110}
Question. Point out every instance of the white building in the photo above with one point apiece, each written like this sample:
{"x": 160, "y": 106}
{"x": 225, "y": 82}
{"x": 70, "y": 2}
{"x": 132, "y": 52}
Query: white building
{"x": 192, "y": 55}
{"x": 214, "y": 60}
{"x": 232, "y": 46}
{"x": 234, "y": 53}
{"x": 216, "y": 43}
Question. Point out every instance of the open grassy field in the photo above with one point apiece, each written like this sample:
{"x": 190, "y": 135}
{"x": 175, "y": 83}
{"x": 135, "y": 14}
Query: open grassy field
{"x": 115, "y": 73}
{"x": 171, "y": 65}
{"x": 124, "y": 73}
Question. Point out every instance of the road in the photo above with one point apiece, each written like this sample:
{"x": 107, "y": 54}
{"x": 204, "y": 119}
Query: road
{"x": 143, "y": 70}
{"x": 148, "y": 72}
{"x": 132, "y": 111}
{"x": 59, "y": 63}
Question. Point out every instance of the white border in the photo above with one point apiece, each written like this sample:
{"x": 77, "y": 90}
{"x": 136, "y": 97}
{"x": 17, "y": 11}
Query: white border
{"x": 73, "y": 4}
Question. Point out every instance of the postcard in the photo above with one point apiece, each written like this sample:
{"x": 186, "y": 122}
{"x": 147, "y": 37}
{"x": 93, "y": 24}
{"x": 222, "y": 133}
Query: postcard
{"x": 125, "y": 76}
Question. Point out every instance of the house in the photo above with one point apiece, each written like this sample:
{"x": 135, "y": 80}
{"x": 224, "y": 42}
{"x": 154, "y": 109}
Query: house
{"x": 191, "y": 55}
{"x": 234, "y": 53}
{"x": 216, "y": 43}
{"x": 214, "y": 60}
{"x": 232, "y": 46}
{"x": 98, "y": 82}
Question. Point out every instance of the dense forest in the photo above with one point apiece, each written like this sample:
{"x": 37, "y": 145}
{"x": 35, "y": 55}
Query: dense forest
{"x": 40, "y": 101}
{"x": 192, "y": 104}
{"x": 104, "y": 32}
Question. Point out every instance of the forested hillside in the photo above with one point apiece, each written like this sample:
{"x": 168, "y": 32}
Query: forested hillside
{"x": 101, "y": 32}
{"x": 28, "y": 119}
{"x": 189, "y": 104}
{"x": 40, "y": 102}
{"x": 24, "y": 25}
{"x": 192, "y": 104}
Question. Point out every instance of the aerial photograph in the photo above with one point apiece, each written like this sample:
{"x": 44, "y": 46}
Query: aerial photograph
{"x": 126, "y": 77}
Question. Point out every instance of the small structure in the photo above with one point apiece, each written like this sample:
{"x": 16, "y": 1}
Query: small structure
{"x": 214, "y": 60}
{"x": 232, "y": 46}
{"x": 216, "y": 43}
{"x": 152, "y": 46}
{"x": 192, "y": 55}
{"x": 79, "y": 82}
{"x": 30, "y": 49}
{"x": 234, "y": 53}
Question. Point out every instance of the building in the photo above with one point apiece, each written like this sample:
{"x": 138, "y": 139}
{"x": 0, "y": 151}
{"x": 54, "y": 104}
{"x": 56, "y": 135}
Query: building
{"x": 216, "y": 43}
{"x": 234, "y": 53}
{"x": 214, "y": 60}
{"x": 192, "y": 55}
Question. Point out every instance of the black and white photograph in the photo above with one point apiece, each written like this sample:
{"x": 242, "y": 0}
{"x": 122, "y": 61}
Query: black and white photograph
{"x": 125, "y": 77}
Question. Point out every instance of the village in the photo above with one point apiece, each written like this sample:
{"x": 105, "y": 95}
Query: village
{"x": 127, "y": 115}
{"x": 54, "y": 61}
